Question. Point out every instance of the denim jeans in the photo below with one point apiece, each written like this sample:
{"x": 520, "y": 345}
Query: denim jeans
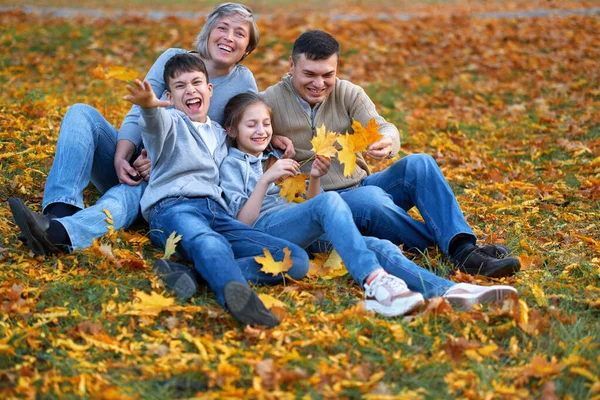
{"x": 417, "y": 279}
{"x": 325, "y": 214}
{"x": 84, "y": 153}
{"x": 221, "y": 248}
{"x": 380, "y": 205}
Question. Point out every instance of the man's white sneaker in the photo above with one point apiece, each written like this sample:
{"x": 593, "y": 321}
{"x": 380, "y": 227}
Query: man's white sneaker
{"x": 465, "y": 294}
{"x": 389, "y": 296}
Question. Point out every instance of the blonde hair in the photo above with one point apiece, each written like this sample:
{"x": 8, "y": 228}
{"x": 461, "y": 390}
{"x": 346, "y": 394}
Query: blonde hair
{"x": 226, "y": 10}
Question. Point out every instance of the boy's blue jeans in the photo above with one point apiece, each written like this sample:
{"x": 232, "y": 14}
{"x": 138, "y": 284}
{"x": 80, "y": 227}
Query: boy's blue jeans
{"x": 221, "y": 248}
{"x": 380, "y": 205}
{"x": 85, "y": 152}
{"x": 328, "y": 214}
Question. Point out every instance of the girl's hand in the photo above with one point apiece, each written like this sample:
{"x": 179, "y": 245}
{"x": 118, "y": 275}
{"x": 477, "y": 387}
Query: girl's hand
{"x": 143, "y": 96}
{"x": 281, "y": 169}
{"x": 320, "y": 166}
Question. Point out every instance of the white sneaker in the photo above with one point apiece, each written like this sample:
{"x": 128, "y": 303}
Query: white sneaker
{"x": 389, "y": 296}
{"x": 465, "y": 294}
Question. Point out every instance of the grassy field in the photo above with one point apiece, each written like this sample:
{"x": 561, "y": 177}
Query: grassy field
{"x": 510, "y": 109}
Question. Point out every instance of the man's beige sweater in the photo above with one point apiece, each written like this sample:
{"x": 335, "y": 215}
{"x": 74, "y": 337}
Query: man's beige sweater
{"x": 346, "y": 102}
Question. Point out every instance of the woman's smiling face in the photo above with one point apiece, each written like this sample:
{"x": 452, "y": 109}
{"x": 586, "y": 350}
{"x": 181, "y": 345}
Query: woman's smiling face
{"x": 228, "y": 40}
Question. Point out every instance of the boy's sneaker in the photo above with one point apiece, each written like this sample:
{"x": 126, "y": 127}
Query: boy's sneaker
{"x": 177, "y": 277}
{"x": 465, "y": 294}
{"x": 245, "y": 305}
{"x": 493, "y": 261}
{"x": 388, "y": 295}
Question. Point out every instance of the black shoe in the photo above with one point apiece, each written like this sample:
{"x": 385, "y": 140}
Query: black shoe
{"x": 245, "y": 305}
{"x": 496, "y": 250}
{"x": 490, "y": 261}
{"x": 33, "y": 228}
{"x": 177, "y": 277}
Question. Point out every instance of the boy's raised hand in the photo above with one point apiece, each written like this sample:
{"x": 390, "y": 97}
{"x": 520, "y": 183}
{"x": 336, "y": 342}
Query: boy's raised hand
{"x": 282, "y": 168}
{"x": 320, "y": 166}
{"x": 143, "y": 96}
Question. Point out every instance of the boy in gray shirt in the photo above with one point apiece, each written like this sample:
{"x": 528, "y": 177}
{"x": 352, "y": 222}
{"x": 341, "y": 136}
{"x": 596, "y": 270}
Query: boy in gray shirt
{"x": 183, "y": 193}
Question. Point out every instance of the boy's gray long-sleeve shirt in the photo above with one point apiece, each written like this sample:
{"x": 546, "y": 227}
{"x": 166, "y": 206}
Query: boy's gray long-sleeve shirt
{"x": 239, "y": 80}
{"x": 182, "y": 164}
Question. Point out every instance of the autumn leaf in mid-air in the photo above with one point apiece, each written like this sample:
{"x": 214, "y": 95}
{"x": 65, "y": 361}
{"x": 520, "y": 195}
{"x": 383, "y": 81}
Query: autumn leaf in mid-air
{"x": 324, "y": 142}
{"x": 293, "y": 187}
{"x": 270, "y": 266}
{"x": 171, "y": 245}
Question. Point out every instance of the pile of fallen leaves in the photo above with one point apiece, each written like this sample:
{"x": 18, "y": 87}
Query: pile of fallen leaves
{"x": 510, "y": 109}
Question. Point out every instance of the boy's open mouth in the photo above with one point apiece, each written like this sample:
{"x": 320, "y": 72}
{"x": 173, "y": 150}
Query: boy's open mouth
{"x": 194, "y": 104}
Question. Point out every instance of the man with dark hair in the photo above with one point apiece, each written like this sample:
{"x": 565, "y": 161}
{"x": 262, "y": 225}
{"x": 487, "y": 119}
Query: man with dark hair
{"x": 309, "y": 96}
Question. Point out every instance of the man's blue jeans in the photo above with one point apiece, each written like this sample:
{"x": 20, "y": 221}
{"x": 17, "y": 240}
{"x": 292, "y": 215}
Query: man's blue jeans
{"x": 221, "y": 248}
{"x": 380, "y": 205}
{"x": 327, "y": 214}
{"x": 84, "y": 152}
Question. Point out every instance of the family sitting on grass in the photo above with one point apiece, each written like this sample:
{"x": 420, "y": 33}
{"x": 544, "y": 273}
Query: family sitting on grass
{"x": 202, "y": 172}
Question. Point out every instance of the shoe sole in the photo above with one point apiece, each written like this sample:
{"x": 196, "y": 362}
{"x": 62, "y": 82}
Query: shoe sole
{"x": 184, "y": 287}
{"x": 502, "y": 271}
{"x": 494, "y": 296}
{"x": 19, "y": 214}
{"x": 161, "y": 267}
{"x": 373, "y": 305}
{"x": 246, "y": 307}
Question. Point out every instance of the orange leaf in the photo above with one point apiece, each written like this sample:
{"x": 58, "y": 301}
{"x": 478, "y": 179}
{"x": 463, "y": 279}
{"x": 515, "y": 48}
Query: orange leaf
{"x": 365, "y": 136}
{"x": 293, "y": 187}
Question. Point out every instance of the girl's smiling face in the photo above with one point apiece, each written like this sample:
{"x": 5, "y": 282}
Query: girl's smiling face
{"x": 253, "y": 133}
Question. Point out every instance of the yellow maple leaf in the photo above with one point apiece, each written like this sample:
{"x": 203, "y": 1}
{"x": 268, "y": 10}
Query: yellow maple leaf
{"x": 152, "y": 304}
{"x": 171, "y": 245}
{"x": 293, "y": 187}
{"x": 270, "y": 266}
{"x": 323, "y": 142}
{"x": 347, "y": 155}
{"x": 121, "y": 73}
{"x": 270, "y": 301}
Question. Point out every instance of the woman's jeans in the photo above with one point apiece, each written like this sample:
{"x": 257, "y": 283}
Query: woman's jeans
{"x": 221, "y": 248}
{"x": 328, "y": 214}
{"x": 85, "y": 152}
{"x": 380, "y": 205}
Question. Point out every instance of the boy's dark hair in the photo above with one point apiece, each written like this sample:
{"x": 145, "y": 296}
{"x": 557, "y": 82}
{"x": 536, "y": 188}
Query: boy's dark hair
{"x": 234, "y": 110}
{"x": 315, "y": 45}
{"x": 183, "y": 62}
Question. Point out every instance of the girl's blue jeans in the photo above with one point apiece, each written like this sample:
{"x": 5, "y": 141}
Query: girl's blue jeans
{"x": 328, "y": 215}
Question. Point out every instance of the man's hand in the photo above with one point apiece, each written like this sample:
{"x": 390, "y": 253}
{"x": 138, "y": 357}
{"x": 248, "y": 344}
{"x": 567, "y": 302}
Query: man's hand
{"x": 143, "y": 96}
{"x": 281, "y": 169}
{"x": 320, "y": 166}
{"x": 285, "y": 144}
{"x": 380, "y": 149}
{"x": 143, "y": 165}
